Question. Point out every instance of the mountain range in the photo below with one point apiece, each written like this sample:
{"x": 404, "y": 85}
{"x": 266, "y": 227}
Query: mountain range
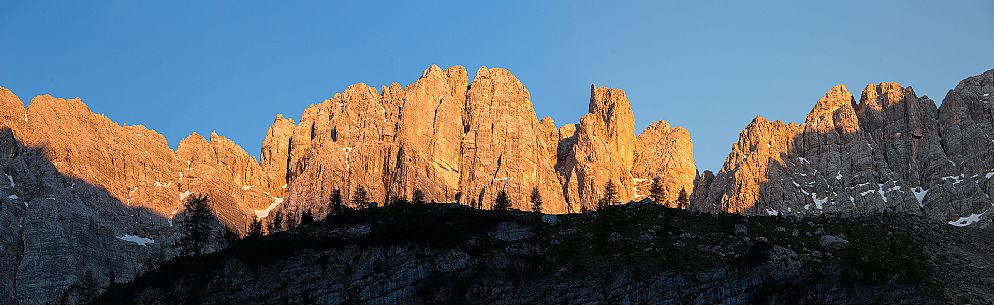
{"x": 85, "y": 195}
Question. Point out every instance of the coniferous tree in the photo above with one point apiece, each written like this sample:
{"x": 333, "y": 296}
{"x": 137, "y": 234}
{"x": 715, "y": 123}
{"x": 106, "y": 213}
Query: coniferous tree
{"x": 255, "y": 228}
{"x": 227, "y": 237}
{"x": 656, "y": 192}
{"x": 196, "y": 225}
{"x": 610, "y": 195}
{"x": 536, "y": 200}
{"x": 360, "y": 198}
{"x": 335, "y": 205}
{"x": 111, "y": 276}
{"x": 502, "y": 202}
{"x": 419, "y": 198}
{"x": 400, "y": 200}
{"x": 88, "y": 287}
{"x": 291, "y": 220}
{"x": 276, "y": 224}
{"x": 683, "y": 200}
{"x": 306, "y": 218}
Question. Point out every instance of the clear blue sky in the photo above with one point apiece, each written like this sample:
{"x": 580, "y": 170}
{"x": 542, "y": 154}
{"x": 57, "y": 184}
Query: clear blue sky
{"x": 709, "y": 66}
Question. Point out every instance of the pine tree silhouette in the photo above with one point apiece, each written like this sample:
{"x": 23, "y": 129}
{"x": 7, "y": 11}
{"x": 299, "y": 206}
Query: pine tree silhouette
{"x": 255, "y": 228}
{"x": 335, "y": 205}
{"x": 610, "y": 195}
{"x": 682, "y": 200}
{"x": 360, "y": 198}
{"x": 656, "y": 192}
{"x": 419, "y": 198}
{"x": 502, "y": 202}
{"x": 306, "y": 218}
{"x": 536, "y": 200}
{"x": 196, "y": 225}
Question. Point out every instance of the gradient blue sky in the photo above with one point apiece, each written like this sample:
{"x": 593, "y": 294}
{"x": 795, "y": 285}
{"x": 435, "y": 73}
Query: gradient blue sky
{"x": 710, "y": 66}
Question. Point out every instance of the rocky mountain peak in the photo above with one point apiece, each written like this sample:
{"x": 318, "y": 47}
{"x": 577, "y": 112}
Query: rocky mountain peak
{"x": 13, "y": 114}
{"x": 836, "y": 111}
{"x": 664, "y": 153}
{"x": 431, "y": 70}
{"x": 883, "y": 93}
{"x": 453, "y": 140}
{"x": 610, "y": 104}
{"x": 894, "y": 152}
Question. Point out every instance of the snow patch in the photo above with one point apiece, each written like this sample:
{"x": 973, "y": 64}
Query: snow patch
{"x": 246, "y": 187}
{"x": 838, "y": 175}
{"x": 160, "y": 184}
{"x": 772, "y": 212}
{"x": 967, "y": 220}
{"x": 141, "y": 241}
{"x": 348, "y": 164}
{"x": 818, "y": 202}
{"x": 259, "y": 214}
{"x": 503, "y": 179}
{"x": 12, "y": 197}
{"x": 183, "y": 195}
{"x": 955, "y": 179}
{"x": 11, "y": 180}
{"x": 920, "y": 195}
{"x": 803, "y": 160}
{"x": 883, "y": 192}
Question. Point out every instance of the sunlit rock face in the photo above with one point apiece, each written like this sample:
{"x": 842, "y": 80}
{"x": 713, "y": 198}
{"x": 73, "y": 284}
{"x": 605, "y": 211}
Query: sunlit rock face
{"x": 81, "y": 194}
{"x": 84, "y": 197}
{"x": 428, "y": 137}
{"x": 665, "y": 153}
{"x": 758, "y": 155}
{"x": 892, "y": 152}
{"x": 233, "y": 181}
{"x": 604, "y": 149}
{"x": 462, "y": 141}
{"x": 275, "y": 155}
{"x": 505, "y": 147}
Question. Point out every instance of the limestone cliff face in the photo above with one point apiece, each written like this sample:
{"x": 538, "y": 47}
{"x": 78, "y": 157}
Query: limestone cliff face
{"x": 82, "y": 194}
{"x": 891, "y": 152}
{"x": 758, "y": 154}
{"x": 134, "y": 164}
{"x": 504, "y": 146}
{"x": 667, "y": 154}
{"x": 219, "y": 168}
{"x": 13, "y": 115}
{"x": 429, "y": 135}
{"x": 340, "y": 144}
{"x": 604, "y": 149}
{"x": 461, "y": 141}
{"x": 275, "y": 155}
{"x": 965, "y": 123}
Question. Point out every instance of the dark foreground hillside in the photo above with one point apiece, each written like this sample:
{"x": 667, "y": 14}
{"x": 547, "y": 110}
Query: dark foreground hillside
{"x": 622, "y": 255}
